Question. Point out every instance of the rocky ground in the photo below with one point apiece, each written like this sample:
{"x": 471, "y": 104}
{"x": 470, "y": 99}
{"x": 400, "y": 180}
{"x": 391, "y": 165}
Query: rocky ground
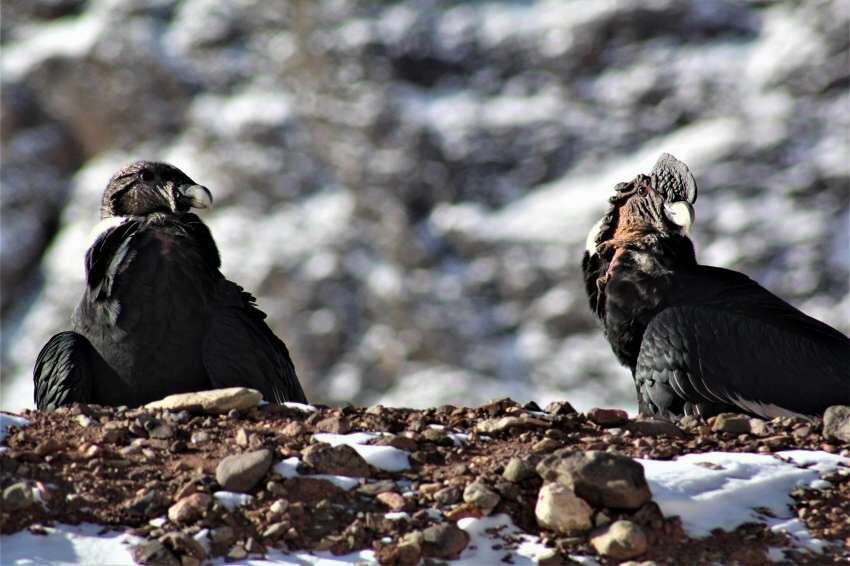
{"x": 565, "y": 476}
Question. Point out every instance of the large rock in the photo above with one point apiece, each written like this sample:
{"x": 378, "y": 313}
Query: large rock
{"x": 341, "y": 460}
{"x": 836, "y": 423}
{"x": 560, "y": 509}
{"x": 212, "y": 401}
{"x": 241, "y": 472}
{"x": 601, "y": 478}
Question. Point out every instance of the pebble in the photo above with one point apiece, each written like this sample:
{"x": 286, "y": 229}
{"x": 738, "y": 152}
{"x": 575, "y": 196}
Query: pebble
{"x": 602, "y": 478}
{"x": 189, "y": 508}
{"x": 652, "y": 426}
{"x": 444, "y": 541}
{"x": 621, "y": 540}
{"x": 213, "y": 401}
{"x": 560, "y": 509}
{"x": 503, "y": 424}
{"x": 241, "y": 472}
{"x": 731, "y": 423}
{"x": 518, "y": 469}
{"x": 276, "y": 530}
{"x": 448, "y": 495}
{"x": 559, "y": 408}
{"x": 183, "y": 544}
{"x": 154, "y": 552}
{"x": 279, "y": 507}
{"x": 481, "y": 496}
{"x": 608, "y": 417}
{"x": 836, "y": 423}
{"x": 394, "y": 501}
{"x": 333, "y": 425}
{"x": 18, "y": 496}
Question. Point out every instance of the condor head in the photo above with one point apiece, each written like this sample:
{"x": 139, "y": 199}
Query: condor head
{"x": 647, "y": 206}
{"x": 648, "y": 219}
{"x": 146, "y": 187}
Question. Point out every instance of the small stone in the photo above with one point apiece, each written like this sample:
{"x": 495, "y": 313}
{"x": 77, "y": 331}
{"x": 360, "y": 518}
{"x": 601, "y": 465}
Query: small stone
{"x": 504, "y": 424}
{"x": 340, "y": 460}
{"x": 293, "y": 429}
{"x": 393, "y": 500}
{"x": 160, "y": 430}
{"x": 546, "y": 445}
{"x": 621, "y": 540}
{"x": 836, "y": 423}
{"x": 200, "y": 436}
{"x": 445, "y": 541}
{"x": 653, "y": 426}
{"x": 238, "y": 552}
{"x": 279, "y": 507}
{"x": 48, "y": 446}
{"x": 437, "y": 437}
{"x": 518, "y": 469}
{"x": 213, "y": 401}
{"x": 559, "y": 408}
{"x": 608, "y": 417}
{"x": 18, "y": 496}
{"x": 154, "y": 552}
{"x": 601, "y": 478}
{"x": 760, "y": 427}
{"x": 241, "y": 472}
{"x": 241, "y": 437}
{"x": 560, "y": 509}
{"x": 377, "y": 487}
{"x": 189, "y": 508}
{"x": 83, "y": 421}
{"x": 731, "y": 423}
{"x": 182, "y": 544}
{"x": 333, "y": 425}
{"x": 275, "y": 530}
{"x": 222, "y": 535}
{"x": 448, "y": 495}
{"x": 481, "y": 496}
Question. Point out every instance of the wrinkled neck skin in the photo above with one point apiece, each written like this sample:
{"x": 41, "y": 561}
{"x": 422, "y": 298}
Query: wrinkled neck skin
{"x": 634, "y": 277}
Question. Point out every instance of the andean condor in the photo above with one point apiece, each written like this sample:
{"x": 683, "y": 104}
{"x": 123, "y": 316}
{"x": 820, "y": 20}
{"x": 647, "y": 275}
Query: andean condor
{"x": 157, "y": 316}
{"x": 699, "y": 339}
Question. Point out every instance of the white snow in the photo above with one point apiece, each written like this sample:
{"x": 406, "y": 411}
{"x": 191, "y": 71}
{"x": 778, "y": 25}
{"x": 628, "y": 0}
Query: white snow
{"x": 289, "y": 469}
{"x": 232, "y": 500}
{"x": 487, "y": 533}
{"x": 382, "y": 457}
{"x": 300, "y": 406}
{"x": 68, "y": 544}
{"x": 722, "y": 490}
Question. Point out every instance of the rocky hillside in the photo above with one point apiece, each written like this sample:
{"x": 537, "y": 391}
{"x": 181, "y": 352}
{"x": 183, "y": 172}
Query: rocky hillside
{"x": 407, "y": 185}
{"x": 200, "y": 476}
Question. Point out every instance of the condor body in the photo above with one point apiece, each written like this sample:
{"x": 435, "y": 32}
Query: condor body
{"x": 157, "y": 316}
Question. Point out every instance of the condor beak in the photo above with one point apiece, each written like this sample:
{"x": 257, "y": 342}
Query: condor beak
{"x": 198, "y": 196}
{"x": 680, "y": 213}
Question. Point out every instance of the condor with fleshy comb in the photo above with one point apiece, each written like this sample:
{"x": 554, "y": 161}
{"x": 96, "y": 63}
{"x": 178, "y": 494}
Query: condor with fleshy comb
{"x": 699, "y": 339}
{"x": 157, "y": 316}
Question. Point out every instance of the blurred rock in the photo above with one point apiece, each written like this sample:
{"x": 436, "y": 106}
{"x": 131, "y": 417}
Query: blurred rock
{"x": 406, "y": 186}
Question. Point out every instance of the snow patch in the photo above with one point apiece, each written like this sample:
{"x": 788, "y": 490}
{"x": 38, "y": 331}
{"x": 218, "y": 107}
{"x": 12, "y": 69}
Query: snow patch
{"x": 232, "y": 500}
{"x": 722, "y": 490}
{"x": 69, "y": 544}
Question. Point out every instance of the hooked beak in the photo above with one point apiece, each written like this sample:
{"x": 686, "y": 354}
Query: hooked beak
{"x": 680, "y": 213}
{"x": 197, "y": 196}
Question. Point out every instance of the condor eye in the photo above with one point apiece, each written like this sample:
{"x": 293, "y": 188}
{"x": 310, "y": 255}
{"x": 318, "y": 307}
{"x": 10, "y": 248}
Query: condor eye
{"x": 146, "y": 175}
{"x": 641, "y": 191}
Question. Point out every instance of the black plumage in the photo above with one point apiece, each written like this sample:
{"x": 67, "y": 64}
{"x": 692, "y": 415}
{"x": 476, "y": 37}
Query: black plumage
{"x": 700, "y": 339}
{"x": 157, "y": 316}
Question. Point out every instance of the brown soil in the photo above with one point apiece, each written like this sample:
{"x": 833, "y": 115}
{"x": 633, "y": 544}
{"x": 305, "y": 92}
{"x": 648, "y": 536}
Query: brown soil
{"x": 113, "y": 473}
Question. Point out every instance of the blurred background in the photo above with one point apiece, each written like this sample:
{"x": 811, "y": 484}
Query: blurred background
{"x": 407, "y": 185}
